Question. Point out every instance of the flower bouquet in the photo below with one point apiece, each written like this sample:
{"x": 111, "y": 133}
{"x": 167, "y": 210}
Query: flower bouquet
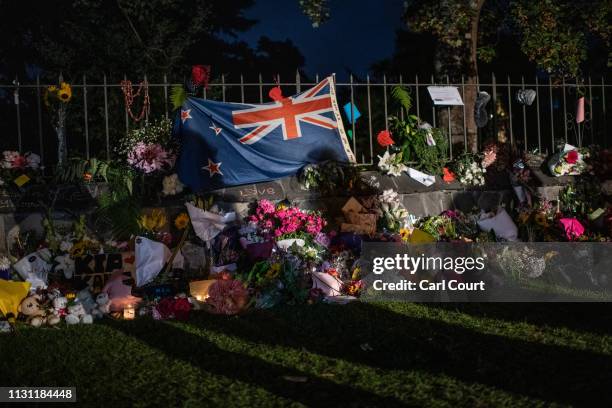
{"x": 569, "y": 162}
{"x": 391, "y": 212}
{"x": 18, "y": 168}
{"x": 469, "y": 170}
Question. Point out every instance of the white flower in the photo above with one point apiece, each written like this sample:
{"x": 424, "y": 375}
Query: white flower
{"x": 4, "y": 263}
{"x": 388, "y": 165}
{"x": 172, "y": 185}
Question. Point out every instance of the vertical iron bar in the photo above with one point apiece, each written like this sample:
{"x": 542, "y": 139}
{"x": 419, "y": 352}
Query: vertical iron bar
{"x": 494, "y": 103}
{"x": 525, "y": 147}
{"x": 591, "y": 109}
{"x": 223, "y": 86}
{"x": 385, "y": 97}
{"x": 298, "y": 85}
{"x": 127, "y": 125}
{"x": 85, "y": 116}
{"x": 552, "y": 116}
{"x": 465, "y": 147}
{"x": 605, "y": 119}
{"x": 450, "y": 130}
{"x": 241, "y": 88}
{"x": 352, "y": 116}
{"x": 538, "y": 113}
{"x": 316, "y": 78}
{"x": 260, "y": 89}
{"x": 510, "y": 112}
{"x": 564, "y": 110}
{"x": 17, "y": 108}
{"x": 433, "y": 106}
{"x": 146, "y": 110}
{"x": 166, "y": 95}
{"x": 401, "y": 110}
{"x": 106, "y": 119}
{"x": 40, "y": 131}
{"x": 416, "y": 83}
{"x": 370, "y": 121}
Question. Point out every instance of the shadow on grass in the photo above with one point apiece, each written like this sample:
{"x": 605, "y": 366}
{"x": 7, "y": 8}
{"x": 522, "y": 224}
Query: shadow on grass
{"x": 399, "y": 342}
{"x": 200, "y": 353}
{"x": 594, "y": 318}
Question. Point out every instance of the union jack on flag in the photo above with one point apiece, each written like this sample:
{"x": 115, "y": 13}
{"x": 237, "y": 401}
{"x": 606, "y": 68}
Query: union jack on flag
{"x": 225, "y": 144}
{"x": 306, "y": 107}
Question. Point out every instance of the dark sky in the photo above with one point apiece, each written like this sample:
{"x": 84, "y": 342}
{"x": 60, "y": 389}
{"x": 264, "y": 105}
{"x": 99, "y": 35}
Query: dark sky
{"x": 358, "y": 33}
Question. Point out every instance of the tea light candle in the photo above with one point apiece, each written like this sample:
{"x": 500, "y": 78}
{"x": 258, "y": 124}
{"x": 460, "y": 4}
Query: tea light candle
{"x": 129, "y": 313}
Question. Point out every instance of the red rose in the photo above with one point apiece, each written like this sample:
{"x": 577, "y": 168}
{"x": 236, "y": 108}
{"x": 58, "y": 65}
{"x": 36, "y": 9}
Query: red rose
{"x": 165, "y": 308}
{"x": 384, "y": 138}
{"x": 571, "y": 157}
{"x": 181, "y": 308}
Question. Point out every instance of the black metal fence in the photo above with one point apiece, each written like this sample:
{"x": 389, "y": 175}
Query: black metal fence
{"x": 98, "y": 118}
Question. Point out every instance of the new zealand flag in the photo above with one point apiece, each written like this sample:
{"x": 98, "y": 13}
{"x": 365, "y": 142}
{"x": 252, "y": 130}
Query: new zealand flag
{"x": 228, "y": 144}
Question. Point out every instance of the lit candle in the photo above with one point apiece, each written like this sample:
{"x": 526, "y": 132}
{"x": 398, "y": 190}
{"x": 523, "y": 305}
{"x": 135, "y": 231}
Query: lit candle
{"x": 129, "y": 313}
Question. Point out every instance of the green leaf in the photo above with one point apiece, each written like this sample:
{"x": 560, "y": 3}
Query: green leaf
{"x": 402, "y": 96}
{"x": 178, "y": 96}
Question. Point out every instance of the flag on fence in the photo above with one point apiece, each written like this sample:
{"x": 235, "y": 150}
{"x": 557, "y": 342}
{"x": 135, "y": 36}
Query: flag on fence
{"x": 226, "y": 144}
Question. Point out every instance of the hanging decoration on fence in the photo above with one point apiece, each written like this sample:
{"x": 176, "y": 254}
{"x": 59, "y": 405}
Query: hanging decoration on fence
{"x": 200, "y": 75}
{"x": 129, "y": 95}
{"x": 276, "y": 93}
{"x": 526, "y": 96}
{"x": 480, "y": 110}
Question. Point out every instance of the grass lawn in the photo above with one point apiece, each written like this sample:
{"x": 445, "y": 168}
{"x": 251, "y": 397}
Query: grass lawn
{"x": 473, "y": 355}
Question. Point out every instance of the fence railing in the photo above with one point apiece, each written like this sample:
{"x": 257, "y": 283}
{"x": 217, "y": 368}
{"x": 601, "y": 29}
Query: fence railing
{"x": 98, "y": 118}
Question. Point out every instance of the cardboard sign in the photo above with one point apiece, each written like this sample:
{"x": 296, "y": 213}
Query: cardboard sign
{"x": 445, "y": 95}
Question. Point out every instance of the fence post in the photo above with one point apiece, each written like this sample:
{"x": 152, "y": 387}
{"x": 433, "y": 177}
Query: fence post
{"x": 85, "y": 116}
{"x": 552, "y": 116}
{"x": 127, "y": 125}
{"x": 433, "y": 106}
{"x": 166, "y": 95}
{"x": 494, "y": 103}
{"x": 298, "y": 85}
{"x": 450, "y": 129}
{"x": 385, "y": 97}
{"x": 241, "y": 88}
{"x": 401, "y": 84}
{"x": 510, "y": 112}
{"x": 524, "y": 116}
{"x": 40, "y": 132}
{"x": 223, "y": 86}
{"x": 17, "y": 108}
{"x": 591, "y": 109}
{"x": 106, "y": 119}
{"x": 605, "y": 120}
{"x": 564, "y": 110}
{"x": 538, "y": 113}
{"x": 416, "y": 85}
{"x": 370, "y": 119}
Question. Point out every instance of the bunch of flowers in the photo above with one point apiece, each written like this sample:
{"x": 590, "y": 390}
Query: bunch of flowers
{"x": 61, "y": 93}
{"x": 390, "y": 210}
{"x": 155, "y": 132}
{"x": 391, "y": 164}
{"x": 172, "y": 308}
{"x": 150, "y": 157}
{"x": 286, "y": 221}
{"x": 569, "y": 162}
{"x": 495, "y": 156}
{"x": 227, "y": 297}
{"x": 56, "y": 98}
{"x": 470, "y": 170}
{"x": 15, "y": 161}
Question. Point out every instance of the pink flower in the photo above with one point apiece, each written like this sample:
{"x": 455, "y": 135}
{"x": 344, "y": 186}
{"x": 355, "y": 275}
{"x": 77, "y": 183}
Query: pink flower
{"x": 573, "y": 228}
{"x": 150, "y": 157}
{"x": 571, "y": 157}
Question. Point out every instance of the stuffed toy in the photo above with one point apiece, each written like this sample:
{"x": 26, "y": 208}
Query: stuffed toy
{"x": 34, "y": 268}
{"x": 85, "y": 297}
{"x": 119, "y": 293}
{"x": 102, "y": 306}
{"x": 59, "y": 306}
{"x": 35, "y": 313}
{"x": 65, "y": 265}
{"x": 77, "y": 314}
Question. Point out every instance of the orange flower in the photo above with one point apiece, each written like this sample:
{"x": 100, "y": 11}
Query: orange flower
{"x": 384, "y": 138}
{"x": 449, "y": 176}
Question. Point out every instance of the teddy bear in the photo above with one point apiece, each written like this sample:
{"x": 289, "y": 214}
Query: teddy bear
{"x": 77, "y": 314}
{"x": 102, "y": 306}
{"x": 36, "y": 314}
{"x": 85, "y": 298}
{"x": 59, "y": 306}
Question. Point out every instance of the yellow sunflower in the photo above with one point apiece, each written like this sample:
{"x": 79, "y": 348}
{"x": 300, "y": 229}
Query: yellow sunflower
{"x": 154, "y": 221}
{"x": 65, "y": 92}
{"x": 78, "y": 250}
{"x": 273, "y": 271}
{"x": 541, "y": 220}
{"x": 181, "y": 221}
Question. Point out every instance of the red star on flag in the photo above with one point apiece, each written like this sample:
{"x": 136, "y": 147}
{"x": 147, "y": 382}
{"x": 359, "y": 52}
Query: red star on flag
{"x": 185, "y": 114}
{"x": 213, "y": 168}
{"x": 215, "y": 128}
